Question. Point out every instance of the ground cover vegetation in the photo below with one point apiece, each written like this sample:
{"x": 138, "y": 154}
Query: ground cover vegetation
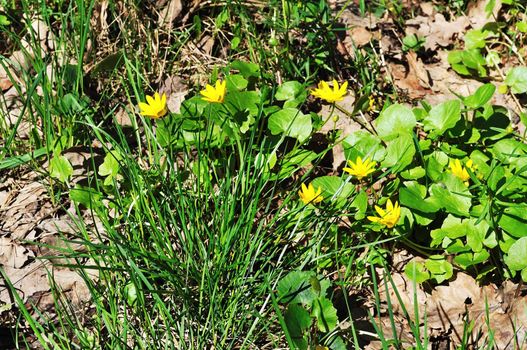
{"x": 263, "y": 174}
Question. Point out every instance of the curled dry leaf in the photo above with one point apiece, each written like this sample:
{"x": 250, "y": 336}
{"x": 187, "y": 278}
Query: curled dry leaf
{"x": 412, "y": 78}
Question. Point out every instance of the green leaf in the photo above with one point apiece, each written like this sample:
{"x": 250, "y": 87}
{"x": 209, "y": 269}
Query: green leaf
{"x": 516, "y": 259}
{"x": 247, "y": 69}
{"x": 325, "y": 313}
{"x": 296, "y": 287}
{"x": 4, "y": 21}
{"x": 524, "y": 274}
{"x": 468, "y": 259}
{"x": 474, "y": 60}
{"x": 363, "y": 144}
{"x": 514, "y": 220}
{"x": 110, "y": 166}
{"x": 300, "y": 157}
{"x": 236, "y": 82}
{"x": 475, "y": 38}
{"x": 237, "y": 101}
{"x": 443, "y": 117}
{"x": 291, "y": 122}
{"x": 289, "y": 90}
{"x": 337, "y": 343}
{"x": 108, "y": 64}
{"x": 393, "y": 121}
{"x": 87, "y": 196}
{"x": 452, "y": 228}
{"x": 482, "y": 95}
{"x": 399, "y": 153}
{"x": 435, "y": 164}
{"x": 416, "y": 271}
{"x": 413, "y": 173}
{"x": 413, "y": 196}
{"x": 522, "y": 26}
{"x": 508, "y": 150}
{"x": 297, "y": 320}
{"x": 333, "y": 186}
{"x": 360, "y": 202}
{"x": 130, "y": 291}
{"x": 452, "y": 195}
{"x": 194, "y": 107}
{"x": 439, "y": 268}
{"x": 516, "y": 80}
{"x": 60, "y": 168}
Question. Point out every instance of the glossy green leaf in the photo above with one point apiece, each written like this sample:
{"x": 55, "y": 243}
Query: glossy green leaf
{"x": 516, "y": 80}
{"x": 87, "y": 196}
{"x": 399, "y": 153}
{"x": 413, "y": 194}
{"x": 365, "y": 145}
{"x": 291, "y": 122}
{"x": 325, "y": 313}
{"x": 334, "y": 186}
{"x": 443, "y": 117}
{"x": 417, "y": 271}
{"x": 393, "y": 121}
{"x": 60, "y": 168}
{"x": 439, "y": 268}
{"x": 452, "y": 195}
{"x": 482, "y": 95}
{"x": 289, "y": 90}
{"x": 516, "y": 259}
{"x": 514, "y": 220}
{"x": 297, "y": 320}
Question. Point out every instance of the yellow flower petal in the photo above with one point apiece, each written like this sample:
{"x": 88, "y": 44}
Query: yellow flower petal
{"x": 155, "y": 107}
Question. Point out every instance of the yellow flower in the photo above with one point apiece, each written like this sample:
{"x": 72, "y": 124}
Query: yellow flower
{"x": 458, "y": 170}
{"x": 156, "y": 106}
{"x": 326, "y": 93}
{"x": 360, "y": 169}
{"x": 215, "y": 94}
{"x": 388, "y": 217}
{"x": 308, "y": 194}
{"x": 371, "y": 103}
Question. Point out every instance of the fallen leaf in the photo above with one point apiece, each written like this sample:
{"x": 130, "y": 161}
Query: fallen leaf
{"x": 12, "y": 254}
{"x": 477, "y": 14}
{"x": 448, "y": 307}
{"x": 175, "y": 89}
{"x": 168, "y": 14}
{"x": 360, "y": 36}
{"x": 437, "y": 30}
{"x": 412, "y": 78}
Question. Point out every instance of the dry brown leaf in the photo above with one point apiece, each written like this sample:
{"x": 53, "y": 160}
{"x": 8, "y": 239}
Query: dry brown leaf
{"x": 477, "y": 14}
{"x": 12, "y": 254}
{"x": 428, "y": 8}
{"x": 360, "y": 36}
{"x": 449, "y": 306}
{"x": 176, "y": 90}
{"x": 122, "y": 117}
{"x": 169, "y": 14}
{"x": 413, "y": 78}
{"x": 28, "y": 280}
{"x": 437, "y": 30}
{"x": 5, "y": 81}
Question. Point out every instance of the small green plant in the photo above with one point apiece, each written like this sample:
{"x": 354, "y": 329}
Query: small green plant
{"x": 309, "y": 315}
{"x": 413, "y": 42}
